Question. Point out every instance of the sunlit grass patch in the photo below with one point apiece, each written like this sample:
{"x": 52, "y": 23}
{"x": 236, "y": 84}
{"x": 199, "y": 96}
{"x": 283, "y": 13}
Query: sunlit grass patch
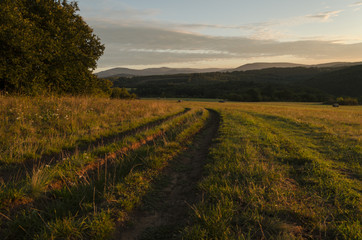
{"x": 112, "y": 189}
{"x": 31, "y": 127}
{"x": 271, "y": 177}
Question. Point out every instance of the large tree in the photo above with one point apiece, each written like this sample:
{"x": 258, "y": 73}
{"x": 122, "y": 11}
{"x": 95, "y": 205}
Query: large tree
{"x": 46, "y": 46}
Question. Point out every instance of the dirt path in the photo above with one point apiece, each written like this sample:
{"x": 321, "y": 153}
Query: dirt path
{"x": 165, "y": 210}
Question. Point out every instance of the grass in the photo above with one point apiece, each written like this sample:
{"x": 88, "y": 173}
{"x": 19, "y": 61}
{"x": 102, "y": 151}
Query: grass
{"x": 32, "y": 127}
{"x": 275, "y": 171}
{"x": 107, "y": 193}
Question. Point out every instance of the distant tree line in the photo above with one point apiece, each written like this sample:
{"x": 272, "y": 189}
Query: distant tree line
{"x": 46, "y": 47}
{"x": 274, "y": 84}
{"x": 262, "y": 85}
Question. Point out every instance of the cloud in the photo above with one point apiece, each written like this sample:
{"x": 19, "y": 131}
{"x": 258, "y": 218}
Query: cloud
{"x": 127, "y": 45}
{"x": 325, "y": 16}
{"x": 134, "y": 37}
{"x": 180, "y": 51}
{"x": 356, "y": 4}
{"x": 250, "y": 26}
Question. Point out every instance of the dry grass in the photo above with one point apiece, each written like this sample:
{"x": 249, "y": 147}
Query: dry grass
{"x": 344, "y": 121}
{"x": 30, "y": 127}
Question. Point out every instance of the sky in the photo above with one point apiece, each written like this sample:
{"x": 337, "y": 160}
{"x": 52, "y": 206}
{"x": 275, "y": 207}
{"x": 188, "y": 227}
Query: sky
{"x": 224, "y": 34}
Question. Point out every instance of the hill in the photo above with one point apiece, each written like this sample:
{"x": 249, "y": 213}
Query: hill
{"x": 337, "y": 64}
{"x": 123, "y": 72}
{"x": 271, "y": 84}
{"x": 343, "y": 82}
{"x": 127, "y": 72}
{"x": 261, "y": 65}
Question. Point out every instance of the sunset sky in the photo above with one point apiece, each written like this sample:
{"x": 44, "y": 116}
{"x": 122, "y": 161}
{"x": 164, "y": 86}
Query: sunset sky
{"x": 224, "y": 34}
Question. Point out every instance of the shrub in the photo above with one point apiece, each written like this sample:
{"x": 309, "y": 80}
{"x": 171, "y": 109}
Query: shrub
{"x": 122, "y": 93}
{"x": 347, "y": 101}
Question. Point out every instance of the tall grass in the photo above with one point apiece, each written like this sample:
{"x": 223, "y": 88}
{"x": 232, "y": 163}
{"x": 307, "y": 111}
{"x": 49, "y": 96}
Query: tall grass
{"x": 89, "y": 207}
{"x": 30, "y": 127}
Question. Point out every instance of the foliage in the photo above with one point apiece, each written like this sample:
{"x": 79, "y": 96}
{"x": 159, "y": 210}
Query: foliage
{"x": 121, "y": 93}
{"x": 342, "y": 82}
{"x": 45, "y": 46}
{"x": 347, "y": 101}
{"x": 275, "y": 84}
{"x": 344, "y": 101}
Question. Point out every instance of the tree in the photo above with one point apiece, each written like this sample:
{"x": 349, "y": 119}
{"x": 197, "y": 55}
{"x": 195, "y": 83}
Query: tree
{"x": 121, "y": 93}
{"x": 46, "y": 46}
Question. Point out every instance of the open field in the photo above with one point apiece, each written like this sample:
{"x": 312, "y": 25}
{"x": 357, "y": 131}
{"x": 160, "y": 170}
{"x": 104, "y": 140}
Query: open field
{"x": 282, "y": 171}
{"x": 86, "y": 168}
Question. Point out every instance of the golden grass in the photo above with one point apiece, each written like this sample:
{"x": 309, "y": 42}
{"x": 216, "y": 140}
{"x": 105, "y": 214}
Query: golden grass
{"x": 345, "y": 121}
{"x": 30, "y": 127}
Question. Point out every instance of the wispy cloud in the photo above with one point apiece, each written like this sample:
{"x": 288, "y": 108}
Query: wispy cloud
{"x": 356, "y": 4}
{"x": 325, "y": 16}
{"x": 179, "y": 51}
{"x": 250, "y": 26}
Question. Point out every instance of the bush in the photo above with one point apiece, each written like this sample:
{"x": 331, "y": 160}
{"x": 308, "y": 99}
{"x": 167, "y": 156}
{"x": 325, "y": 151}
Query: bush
{"x": 122, "y": 93}
{"x": 347, "y": 101}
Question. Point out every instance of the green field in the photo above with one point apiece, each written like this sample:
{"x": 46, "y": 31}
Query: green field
{"x": 94, "y": 168}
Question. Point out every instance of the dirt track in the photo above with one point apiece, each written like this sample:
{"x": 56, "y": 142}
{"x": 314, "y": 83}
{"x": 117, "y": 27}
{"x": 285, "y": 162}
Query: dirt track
{"x": 165, "y": 210}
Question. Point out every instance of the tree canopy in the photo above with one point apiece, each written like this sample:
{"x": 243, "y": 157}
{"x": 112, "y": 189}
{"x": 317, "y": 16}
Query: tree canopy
{"x": 46, "y": 46}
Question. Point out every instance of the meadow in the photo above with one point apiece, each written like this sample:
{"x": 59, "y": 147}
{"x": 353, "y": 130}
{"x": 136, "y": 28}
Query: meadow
{"x": 94, "y": 168}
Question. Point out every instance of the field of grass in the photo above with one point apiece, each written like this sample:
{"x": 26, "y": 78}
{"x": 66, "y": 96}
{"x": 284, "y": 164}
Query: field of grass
{"x": 77, "y": 168}
{"x": 282, "y": 171}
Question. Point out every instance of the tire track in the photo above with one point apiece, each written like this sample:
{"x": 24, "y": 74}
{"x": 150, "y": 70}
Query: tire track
{"x": 88, "y": 169}
{"x": 17, "y": 171}
{"x": 165, "y": 211}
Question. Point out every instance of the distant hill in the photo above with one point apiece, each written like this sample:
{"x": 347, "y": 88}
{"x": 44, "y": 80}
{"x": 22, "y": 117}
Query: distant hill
{"x": 123, "y": 72}
{"x": 337, "y": 64}
{"x": 342, "y": 82}
{"x": 127, "y": 72}
{"x": 314, "y": 84}
{"x": 261, "y": 65}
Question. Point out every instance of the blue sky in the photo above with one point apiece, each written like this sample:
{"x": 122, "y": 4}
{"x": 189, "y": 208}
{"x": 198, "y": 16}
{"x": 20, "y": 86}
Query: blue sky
{"x": 229, "y": 33}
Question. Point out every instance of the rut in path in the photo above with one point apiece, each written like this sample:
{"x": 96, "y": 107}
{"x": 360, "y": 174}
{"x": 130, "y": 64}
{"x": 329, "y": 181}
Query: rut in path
{"x": 166, "y": 209}
{"x": 19, "y": 170}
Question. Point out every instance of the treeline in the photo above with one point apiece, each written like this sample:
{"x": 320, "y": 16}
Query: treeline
{"x": 46, "y": 47}
{"x": 274, "y": 84}
{"x": 233, "y": 90}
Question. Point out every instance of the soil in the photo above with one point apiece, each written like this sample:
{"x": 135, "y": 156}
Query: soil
{"x": 166, "y": 210}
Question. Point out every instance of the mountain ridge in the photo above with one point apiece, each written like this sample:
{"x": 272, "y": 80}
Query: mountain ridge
{"x": 127, "y": 72}
{"x": 117, "y": 72}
